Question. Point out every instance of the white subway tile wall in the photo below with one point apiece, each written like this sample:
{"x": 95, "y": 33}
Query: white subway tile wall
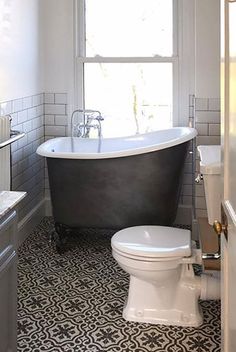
{"x": 28, "y": 115}
{"x": 56, "y": 123}
{"x": 207, "y": 113}
{"x": 27, "y": 167}
{"x": 55, "y": 115}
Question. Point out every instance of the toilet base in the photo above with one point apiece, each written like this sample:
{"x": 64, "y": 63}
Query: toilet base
{"x": 172, "y": 303}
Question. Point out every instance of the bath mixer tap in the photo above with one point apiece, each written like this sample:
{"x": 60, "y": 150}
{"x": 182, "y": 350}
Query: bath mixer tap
{"x": 91, "y": 119}
{"x": 92, "y": 122}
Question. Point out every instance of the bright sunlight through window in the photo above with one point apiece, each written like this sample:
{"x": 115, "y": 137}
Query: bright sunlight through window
{"x": 127, "y": 60}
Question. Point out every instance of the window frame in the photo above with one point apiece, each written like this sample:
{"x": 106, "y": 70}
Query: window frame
{"x": 182, "y": 58}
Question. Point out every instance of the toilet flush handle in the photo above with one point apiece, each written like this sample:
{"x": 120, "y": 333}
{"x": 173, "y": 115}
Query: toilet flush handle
{"x": 199, "y": 178}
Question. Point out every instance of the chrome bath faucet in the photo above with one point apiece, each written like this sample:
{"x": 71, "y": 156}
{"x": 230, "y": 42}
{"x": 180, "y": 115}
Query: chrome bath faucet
{"x": 91, "y": 119}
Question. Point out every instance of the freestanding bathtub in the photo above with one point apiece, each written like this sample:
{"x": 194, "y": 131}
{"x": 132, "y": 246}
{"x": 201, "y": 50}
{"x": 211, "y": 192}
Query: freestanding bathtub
{"x": 116, "y": 182}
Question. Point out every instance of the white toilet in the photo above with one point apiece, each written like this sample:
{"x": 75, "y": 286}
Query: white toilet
{"x": 163, "y": 287}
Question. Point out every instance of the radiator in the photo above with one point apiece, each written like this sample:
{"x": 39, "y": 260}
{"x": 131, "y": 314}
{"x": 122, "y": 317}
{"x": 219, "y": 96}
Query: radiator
{"x": 5, "y": 174}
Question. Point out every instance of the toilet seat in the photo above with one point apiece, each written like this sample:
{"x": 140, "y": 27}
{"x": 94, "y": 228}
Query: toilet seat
{"x": 145, "y": 258}
{"x": 152, "y": 243}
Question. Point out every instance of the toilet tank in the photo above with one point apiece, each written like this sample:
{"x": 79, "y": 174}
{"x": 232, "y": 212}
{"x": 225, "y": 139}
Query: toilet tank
{"x": 210, "y": 165}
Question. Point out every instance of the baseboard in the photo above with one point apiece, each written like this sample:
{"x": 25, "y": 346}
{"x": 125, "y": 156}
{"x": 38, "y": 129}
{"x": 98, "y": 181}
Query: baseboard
{"x": 30, "y": 221}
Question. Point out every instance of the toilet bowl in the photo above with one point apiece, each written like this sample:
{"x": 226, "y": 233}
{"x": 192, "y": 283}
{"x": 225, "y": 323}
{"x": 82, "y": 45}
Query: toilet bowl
{"x": 163, "y": 287}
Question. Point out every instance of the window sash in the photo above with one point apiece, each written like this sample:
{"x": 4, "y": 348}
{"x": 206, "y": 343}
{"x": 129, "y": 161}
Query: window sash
{"x": 172, "y": 59}
{"x": 81, "y": 38}
{"x": 81, "y": 58}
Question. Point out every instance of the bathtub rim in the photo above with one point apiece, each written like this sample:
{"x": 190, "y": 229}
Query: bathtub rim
{"x": 43, "y": 149}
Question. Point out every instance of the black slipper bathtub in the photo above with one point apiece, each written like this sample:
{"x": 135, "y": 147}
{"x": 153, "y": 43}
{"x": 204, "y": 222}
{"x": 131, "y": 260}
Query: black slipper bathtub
{"x": 116, "y": 182}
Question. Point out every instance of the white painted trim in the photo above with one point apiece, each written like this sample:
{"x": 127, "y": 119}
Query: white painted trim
{"x": 81, "y": 26}
{"x": 230, "y": 211}
{"x": 79, "y": 50}
{"x": 186, "y": 54}
{"x": 139, "y": 59}
{"x": 175, "y": 94}
{"x": 176, "y": 4}
{"x": 75, "y": 53}
{"x": 30, "y": 221}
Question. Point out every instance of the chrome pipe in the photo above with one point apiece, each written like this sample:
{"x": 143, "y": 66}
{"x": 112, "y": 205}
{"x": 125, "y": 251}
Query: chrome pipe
{"x": 15, "y": 135}
{"x": 211, "y": 256}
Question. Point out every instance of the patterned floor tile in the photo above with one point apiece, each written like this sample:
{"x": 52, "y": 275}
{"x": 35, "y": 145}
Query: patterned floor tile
{"x": 73, "y": 302}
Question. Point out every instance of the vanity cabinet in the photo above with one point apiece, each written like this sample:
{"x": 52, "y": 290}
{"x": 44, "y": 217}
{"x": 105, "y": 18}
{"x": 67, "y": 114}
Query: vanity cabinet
{"x": 8, "y": 282}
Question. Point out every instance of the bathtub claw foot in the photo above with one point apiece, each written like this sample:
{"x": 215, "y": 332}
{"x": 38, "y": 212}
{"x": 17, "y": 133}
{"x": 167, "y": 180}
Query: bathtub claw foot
{"x": 60, "y": 248}
{"x": 61, "y": 236}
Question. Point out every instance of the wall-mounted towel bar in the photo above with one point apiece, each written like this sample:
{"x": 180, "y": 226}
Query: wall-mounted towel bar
{"x": 15, "y": 135}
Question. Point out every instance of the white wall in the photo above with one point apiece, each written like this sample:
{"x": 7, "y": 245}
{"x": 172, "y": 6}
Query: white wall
{"x": 36, "y": 47}
{"x": 19, "y": 49}
{"x": 58, "y": 34}
{"x": 207, "y": 46}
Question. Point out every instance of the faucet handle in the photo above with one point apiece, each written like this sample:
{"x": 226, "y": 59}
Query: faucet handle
{"x": 90, "y": 116}
{"x": 99, "y": 118}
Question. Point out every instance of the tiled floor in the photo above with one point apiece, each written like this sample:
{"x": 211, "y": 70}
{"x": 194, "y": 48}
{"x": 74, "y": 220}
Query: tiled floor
{"x": 74, "y": 302}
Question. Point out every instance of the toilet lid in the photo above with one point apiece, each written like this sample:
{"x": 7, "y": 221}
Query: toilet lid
{"x": 153, "y": 241}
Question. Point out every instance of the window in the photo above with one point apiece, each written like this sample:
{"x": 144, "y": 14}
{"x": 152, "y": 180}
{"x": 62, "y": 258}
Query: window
{"x": 127, "y": 63}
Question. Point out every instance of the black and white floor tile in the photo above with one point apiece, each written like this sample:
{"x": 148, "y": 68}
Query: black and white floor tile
{"x": 73, "y": 302}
